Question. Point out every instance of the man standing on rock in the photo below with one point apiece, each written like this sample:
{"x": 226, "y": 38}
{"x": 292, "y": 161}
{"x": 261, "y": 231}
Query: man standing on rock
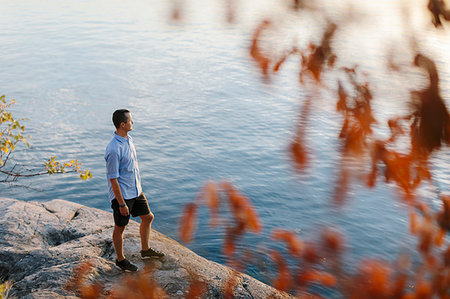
{"x": 125, "y": 191}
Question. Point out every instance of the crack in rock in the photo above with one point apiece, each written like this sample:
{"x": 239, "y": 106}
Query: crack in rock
{"x": 48, "y": 210}
{"x": 245, "y": 286}
{"x": 75, "y": 214}
{"x": 107, "y": 249}
{"x": 57, "y": 237}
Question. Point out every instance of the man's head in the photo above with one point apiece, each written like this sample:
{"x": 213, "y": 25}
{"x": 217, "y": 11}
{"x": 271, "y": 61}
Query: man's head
{"x": 122, "y": 119}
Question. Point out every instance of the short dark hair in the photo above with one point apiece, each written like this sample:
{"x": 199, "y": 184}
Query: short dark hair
{"x": 119, "y": 117}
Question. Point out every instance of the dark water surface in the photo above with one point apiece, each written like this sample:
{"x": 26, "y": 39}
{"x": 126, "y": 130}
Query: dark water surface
{"x": 201, "y": 112}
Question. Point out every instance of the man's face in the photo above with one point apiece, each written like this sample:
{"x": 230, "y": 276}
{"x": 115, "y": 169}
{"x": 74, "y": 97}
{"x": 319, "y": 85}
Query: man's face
{"x": 128, "y": 125}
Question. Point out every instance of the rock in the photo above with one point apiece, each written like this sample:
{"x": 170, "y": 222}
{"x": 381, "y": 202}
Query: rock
{"x": 42, "y": 243}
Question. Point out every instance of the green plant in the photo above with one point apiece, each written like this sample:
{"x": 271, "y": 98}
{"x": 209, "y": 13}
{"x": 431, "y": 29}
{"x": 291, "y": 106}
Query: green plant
{"x": 12, "y": 135}
{"x": 4, "y": 289}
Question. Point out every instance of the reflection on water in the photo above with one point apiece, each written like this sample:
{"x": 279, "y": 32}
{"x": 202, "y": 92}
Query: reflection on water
{"x": 201, "y": 112}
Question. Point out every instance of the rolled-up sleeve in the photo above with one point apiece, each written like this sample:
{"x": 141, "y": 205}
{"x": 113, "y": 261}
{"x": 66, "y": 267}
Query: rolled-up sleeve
{"x": 112, "y": 164}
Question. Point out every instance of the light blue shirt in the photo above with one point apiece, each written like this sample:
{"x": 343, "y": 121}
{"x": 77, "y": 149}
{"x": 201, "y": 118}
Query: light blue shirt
{"x": 122, "y": 164}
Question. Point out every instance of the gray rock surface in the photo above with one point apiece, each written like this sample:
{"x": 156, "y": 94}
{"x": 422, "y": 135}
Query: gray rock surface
{"x": 42, "y": 243}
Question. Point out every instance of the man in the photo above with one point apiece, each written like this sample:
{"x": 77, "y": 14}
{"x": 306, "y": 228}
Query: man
{"x": 125, "y": 191}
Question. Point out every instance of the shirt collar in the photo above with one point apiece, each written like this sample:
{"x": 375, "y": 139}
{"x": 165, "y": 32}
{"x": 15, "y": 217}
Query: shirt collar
{"x": 120, "y": 138}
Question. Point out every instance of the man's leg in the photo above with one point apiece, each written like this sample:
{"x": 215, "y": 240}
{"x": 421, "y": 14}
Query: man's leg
{"x": 118, "y": 241}
{"x": 142, "y": 209}
{"x": 145, "y": 229}
{"x": 120, "y": 222}
{"x": 121, "y": 261}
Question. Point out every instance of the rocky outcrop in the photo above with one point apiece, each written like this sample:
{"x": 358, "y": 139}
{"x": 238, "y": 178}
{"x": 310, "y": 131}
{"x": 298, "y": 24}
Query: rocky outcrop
{"x": 41, "y": 243}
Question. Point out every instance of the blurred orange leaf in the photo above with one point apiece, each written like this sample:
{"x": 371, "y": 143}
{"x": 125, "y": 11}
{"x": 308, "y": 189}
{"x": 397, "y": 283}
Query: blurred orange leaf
{"x": 293, "y": 243}
{"x": 284, "y": 280}
{"x": 258, "y": 56}
{"x": 188, "y": 222}
{"x": 324, "y": 278}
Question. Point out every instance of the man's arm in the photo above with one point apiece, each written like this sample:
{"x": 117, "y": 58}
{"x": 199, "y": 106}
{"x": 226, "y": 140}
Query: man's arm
{"x": 118, "y": 194}
{"x": 112, "y": 172}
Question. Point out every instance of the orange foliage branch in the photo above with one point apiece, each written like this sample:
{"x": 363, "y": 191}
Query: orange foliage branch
{"x": 319, "y": 56}
{"x": 256, "y": 53}
{"x": 297, "y": 148}
{"x": 431, "y": 118}
{"x": 294, "y": 244}
{"x": 188, "y": 223}
{"x": 438, "y": 10}
{"x": 284, "y": 280}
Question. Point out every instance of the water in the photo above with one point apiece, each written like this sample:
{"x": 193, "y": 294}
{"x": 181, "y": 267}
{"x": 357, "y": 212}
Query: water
{"x": 201, "y": 113}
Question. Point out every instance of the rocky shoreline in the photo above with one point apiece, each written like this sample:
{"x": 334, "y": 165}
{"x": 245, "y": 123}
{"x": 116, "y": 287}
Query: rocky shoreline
{"x": 42, "y": 243}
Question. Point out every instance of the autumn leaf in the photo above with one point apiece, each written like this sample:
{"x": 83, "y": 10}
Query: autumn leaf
{"x": 262, "y": 60}
{"x": 188, "y": 222}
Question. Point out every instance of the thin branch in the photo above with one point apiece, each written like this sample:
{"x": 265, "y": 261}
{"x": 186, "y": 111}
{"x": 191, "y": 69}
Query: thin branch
{"x": 16, "y": 174}
{"x": 28, "y": 187}
{"x": 6, "y": 159}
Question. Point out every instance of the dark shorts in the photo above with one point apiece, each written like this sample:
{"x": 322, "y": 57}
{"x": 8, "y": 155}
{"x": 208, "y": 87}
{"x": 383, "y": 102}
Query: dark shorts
{"x": 137, "y": 206}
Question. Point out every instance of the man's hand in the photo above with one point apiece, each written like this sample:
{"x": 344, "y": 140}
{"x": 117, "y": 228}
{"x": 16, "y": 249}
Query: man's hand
{"x": 118, "y": 193}
{"x": 124, "y": 211}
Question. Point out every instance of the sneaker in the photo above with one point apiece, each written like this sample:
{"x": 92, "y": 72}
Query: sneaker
{"x": 125, "y": 265}
{"x": 151, "y": 253}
